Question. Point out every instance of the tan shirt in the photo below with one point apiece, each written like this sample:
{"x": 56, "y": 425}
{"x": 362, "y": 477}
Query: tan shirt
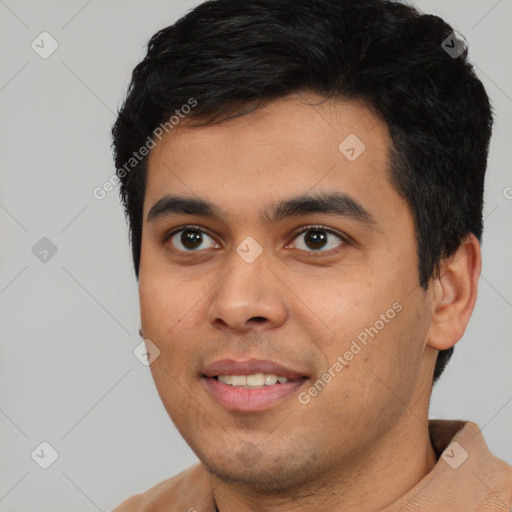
{"x": 466, "y": 478}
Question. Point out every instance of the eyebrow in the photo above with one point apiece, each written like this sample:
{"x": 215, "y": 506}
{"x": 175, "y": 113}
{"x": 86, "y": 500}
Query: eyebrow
{"x": 335, "y": 203}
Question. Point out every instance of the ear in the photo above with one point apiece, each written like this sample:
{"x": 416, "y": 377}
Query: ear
{"x": 453, "y": 294}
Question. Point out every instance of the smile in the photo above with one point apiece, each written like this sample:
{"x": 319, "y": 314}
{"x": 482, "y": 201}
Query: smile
{"x": 251, "y": 385}
{"x": 254, "y": 381}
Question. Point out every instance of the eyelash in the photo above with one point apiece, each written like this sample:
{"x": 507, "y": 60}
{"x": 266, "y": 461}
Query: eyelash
{"x": 344, "y": 238}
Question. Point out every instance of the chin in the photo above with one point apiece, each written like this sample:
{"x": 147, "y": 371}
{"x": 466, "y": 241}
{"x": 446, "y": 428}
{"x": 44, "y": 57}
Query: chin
{"x": 260, "y": 472}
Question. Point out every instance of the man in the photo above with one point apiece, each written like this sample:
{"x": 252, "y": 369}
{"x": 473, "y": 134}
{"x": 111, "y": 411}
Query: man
{"x": 303, "y": 181}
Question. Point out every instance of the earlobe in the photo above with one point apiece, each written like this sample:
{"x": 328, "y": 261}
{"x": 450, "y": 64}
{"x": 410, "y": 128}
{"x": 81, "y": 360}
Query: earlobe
{"x": 453, "y": 294}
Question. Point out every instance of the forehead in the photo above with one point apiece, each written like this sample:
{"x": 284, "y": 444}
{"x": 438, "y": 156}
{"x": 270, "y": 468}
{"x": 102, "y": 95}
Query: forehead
{"x": 292, "y": 146}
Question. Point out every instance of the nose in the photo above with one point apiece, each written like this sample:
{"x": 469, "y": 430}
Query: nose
{"x": 249, "y": 295}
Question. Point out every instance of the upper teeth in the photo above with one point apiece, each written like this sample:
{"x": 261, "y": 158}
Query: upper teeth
{"x": 256, "y": 380}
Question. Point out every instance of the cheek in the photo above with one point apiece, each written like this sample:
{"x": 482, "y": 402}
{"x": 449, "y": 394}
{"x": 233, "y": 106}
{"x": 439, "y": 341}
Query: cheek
{"x": 372, "y": 367}
{"x": 345, "y": 312}
{"x": 371, "y": 322}
{"x": 170, "y": 312}
{"x": 396, "y": 352}
{"x": 165, "y": 300}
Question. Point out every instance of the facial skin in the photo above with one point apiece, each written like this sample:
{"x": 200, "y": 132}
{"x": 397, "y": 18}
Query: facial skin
{"x": 362, "y": 441}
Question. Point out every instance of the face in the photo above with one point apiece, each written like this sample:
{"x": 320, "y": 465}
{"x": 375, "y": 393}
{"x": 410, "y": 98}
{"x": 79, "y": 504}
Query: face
{"x": 284, "y": 300}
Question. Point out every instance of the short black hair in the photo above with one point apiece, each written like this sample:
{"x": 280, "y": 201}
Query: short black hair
{"x": 229, "y": 56}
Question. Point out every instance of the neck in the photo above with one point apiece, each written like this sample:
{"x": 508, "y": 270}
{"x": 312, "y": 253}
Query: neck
{"x": 393, "y": 465}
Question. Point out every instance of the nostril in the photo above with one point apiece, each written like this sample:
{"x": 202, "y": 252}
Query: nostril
{"x": 258, "y": 319}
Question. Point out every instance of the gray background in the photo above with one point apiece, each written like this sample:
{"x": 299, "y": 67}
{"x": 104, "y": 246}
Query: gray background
{"x": 69, "y": 325}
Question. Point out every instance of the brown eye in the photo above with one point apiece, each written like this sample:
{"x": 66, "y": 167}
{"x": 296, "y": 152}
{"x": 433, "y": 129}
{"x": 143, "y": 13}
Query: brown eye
{"x": 317, "y": 240}
{"x": 191, "y": 239}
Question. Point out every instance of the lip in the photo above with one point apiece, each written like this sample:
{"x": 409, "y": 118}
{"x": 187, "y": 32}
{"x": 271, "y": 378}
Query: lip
{"x": 250, "y": 400}
{"x": 250, "y": 367}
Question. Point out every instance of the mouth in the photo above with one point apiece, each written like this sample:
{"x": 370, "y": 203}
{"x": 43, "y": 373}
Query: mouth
{"x": 252, "y": 385}
{"x": 254, "y": 381}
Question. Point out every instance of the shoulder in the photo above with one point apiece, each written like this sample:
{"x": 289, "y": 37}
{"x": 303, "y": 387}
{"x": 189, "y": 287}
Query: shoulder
{"x": 494, "y": 471}
{"x": 187, "y": 490}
